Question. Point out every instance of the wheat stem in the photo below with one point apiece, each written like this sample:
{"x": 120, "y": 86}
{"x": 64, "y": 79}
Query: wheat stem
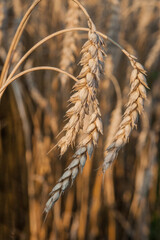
{"x": 9, "y": 81}
{"x": 15, "y": 41}
{"x": 56, "y": 34}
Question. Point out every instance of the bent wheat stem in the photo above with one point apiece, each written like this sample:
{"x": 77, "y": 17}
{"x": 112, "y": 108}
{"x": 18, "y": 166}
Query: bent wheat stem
{"x": 57, "y": 34}
{"x": 9, "y": 81}
{"x": 15, "y": 41}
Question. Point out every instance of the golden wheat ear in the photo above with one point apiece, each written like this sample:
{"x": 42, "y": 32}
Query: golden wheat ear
{"x": 137, "y": 95}
{"x": 85, "y": 89}
{"x": 85, "y": 112}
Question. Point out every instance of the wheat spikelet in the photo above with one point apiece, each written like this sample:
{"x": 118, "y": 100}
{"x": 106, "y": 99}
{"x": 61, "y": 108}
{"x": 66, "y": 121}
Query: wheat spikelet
{"x": 135, "y": 105}
{"x": 69, "y": 49}
{"x": 85, "y": 89}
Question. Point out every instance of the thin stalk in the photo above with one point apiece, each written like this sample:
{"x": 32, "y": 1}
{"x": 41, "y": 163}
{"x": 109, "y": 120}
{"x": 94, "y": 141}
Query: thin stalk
{"x": 16, "y": 40}
{"x": 32, "y": 70}
{"x": 56, "y": 34}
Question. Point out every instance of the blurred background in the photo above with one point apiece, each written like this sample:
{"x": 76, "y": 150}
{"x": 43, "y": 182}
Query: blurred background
{"x": 125, "y": 204}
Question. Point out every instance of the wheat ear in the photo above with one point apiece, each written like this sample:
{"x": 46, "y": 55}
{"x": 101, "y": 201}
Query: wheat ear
{"x": 86, "y": 96}
{"x": 137, "y": 95}
{"x": 92, "y": 67}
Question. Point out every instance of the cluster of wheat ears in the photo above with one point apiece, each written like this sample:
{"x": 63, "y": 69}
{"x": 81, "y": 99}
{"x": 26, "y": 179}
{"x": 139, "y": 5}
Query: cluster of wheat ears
{"x": 84, "y": 123}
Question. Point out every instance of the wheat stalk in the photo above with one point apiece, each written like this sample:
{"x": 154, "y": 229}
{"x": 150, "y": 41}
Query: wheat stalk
{"x": 38, "y": 44}
{"x": 28, "y": 53}
{"x": 137, "y": 95}
{"x": 3, "y": 77}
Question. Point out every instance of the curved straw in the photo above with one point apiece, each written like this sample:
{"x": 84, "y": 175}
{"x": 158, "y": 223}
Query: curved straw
{"x": 56, "y": 34}
{"x": 15, "y": 41}
{"x": 36, "y": 69}
{"x": 51, "y": 36}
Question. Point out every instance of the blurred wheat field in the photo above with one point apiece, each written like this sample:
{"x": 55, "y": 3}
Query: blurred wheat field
{"x": 125, "y": 202}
